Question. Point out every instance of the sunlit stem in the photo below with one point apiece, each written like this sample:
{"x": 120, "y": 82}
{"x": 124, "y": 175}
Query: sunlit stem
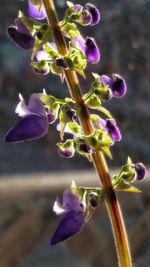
{"x": 99, "y": 161}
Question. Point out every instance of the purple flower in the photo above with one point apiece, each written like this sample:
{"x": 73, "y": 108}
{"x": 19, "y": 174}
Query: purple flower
{"x": 73, "y": 220}
{"x": 36, "y": 9}
{"x": 94, "y": 14}
{"x": 66, "y": 149}
{"x": 116, "y": 83}
{"x": 66, "y": 153}
{"x": 89, "y": 14}
{"x": 21, "y": 36}
{"x": 88, "y": 47}
{"x": 111, "y": 127}
{"x": 83, "y": 147}
{"x": 34, "y": 122}
{"x": 41, "y": 63}
{"x": 140, "y": 171}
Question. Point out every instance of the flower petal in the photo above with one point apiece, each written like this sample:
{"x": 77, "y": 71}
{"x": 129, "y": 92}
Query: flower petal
{"x": 94, "y": 13}
{"x": 35, "y": 105}
{"x": 92, "y": 52}
{"x": 140, "y": 171}
{"x": 71, "y": 201}
{"x": 119, "y": 87}
{"x": 71, "y": 224}
{"x": 21, "y": 26}
{"x": 58, "y": 208}
{"x": 36, "y": 11}
{"x": 113, "y": 130}
{"x": 79, "y": 42}
{"x": 23, "y": 40}
{"x": 29, "y": 128}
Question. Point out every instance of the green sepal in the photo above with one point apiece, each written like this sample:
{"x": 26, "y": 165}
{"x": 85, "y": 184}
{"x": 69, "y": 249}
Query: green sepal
{"x": 64, "y": 119}
{"x": 106, "y": 151}
{"x": 68, "y": 144}
{"x": 74, "y": 127}
{"x": 29, "y": 22}
{"x": 78, "y": 191}
{"x": 43, "y": 65}
{"x": 71, "y": 15}
{"x": 70, "y": 30}
{"x": 51, "y": 50}
{"x": 100, "y": 141}
{"x": 48, "y": 100}
{"x": 125, "y": 186}
{"x": 47, "y": 36}
{"x": 57, "y": 70}
{"x": 69, "y": 4}
{"x": 94, "y": 102}
{"x": 76, "y": 60}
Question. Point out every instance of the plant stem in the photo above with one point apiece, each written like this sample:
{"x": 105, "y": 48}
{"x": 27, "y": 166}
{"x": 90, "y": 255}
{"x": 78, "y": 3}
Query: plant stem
{"x": 98, "y": 158}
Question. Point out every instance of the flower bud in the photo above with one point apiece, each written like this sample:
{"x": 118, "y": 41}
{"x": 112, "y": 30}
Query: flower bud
{"x": 94, "y": 14}
{"x": 116, "y": 83}
{"x": 93, "y": 199}
{"x": 88, "y": 47}
{"x": 85, "y": 148}
{"x": 113, "y": 130}
{"x": 66, "y": 149}
{"x": 41, "y": 67}
{"x": 140, "y": 171}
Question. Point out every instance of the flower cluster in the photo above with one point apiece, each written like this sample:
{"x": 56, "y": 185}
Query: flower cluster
{"x": 30, "y": 33}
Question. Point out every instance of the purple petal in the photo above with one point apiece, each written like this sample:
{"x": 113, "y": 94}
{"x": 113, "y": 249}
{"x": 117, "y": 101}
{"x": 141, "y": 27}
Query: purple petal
{"x": 29, "y": 128}
{"x": 36, "y": 11}
{"x": 100, "y": 123}
{"x": 119, "y": 87}
{"x": 58, "y": 208}
{"x": 35, "y": 105}
{"x": 92, "y": 51}
{"x": 94, "y": 13}
{"x": 77, "y": 8}
{"x": 106, "y": 81}
{"x": 140, "y": 171}
{"x": 21, "y": 26}
{"x": 85, "y": 148}
{"x": 41, "y": 55}
{"x": 66, "y": 153}
{"x": 71, "y": 201}
{"x": 86, "y": 17}
{"x": 23, "y": 40}
{"x": 113, "y": 130}
{"x": 71, "y": 224}
{"x": 79, "y": 42}
{"x": 51, "y": 117}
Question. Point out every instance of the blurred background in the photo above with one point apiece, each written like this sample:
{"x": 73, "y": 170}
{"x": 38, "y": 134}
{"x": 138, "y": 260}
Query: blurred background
{"x": 31, "y": 172}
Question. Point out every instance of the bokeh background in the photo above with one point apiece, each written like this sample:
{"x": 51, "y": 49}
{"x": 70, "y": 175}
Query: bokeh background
{"x": 123, "y": 36}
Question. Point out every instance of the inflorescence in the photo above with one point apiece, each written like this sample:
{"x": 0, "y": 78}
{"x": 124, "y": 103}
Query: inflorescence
{"x": 31, "y": 33}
